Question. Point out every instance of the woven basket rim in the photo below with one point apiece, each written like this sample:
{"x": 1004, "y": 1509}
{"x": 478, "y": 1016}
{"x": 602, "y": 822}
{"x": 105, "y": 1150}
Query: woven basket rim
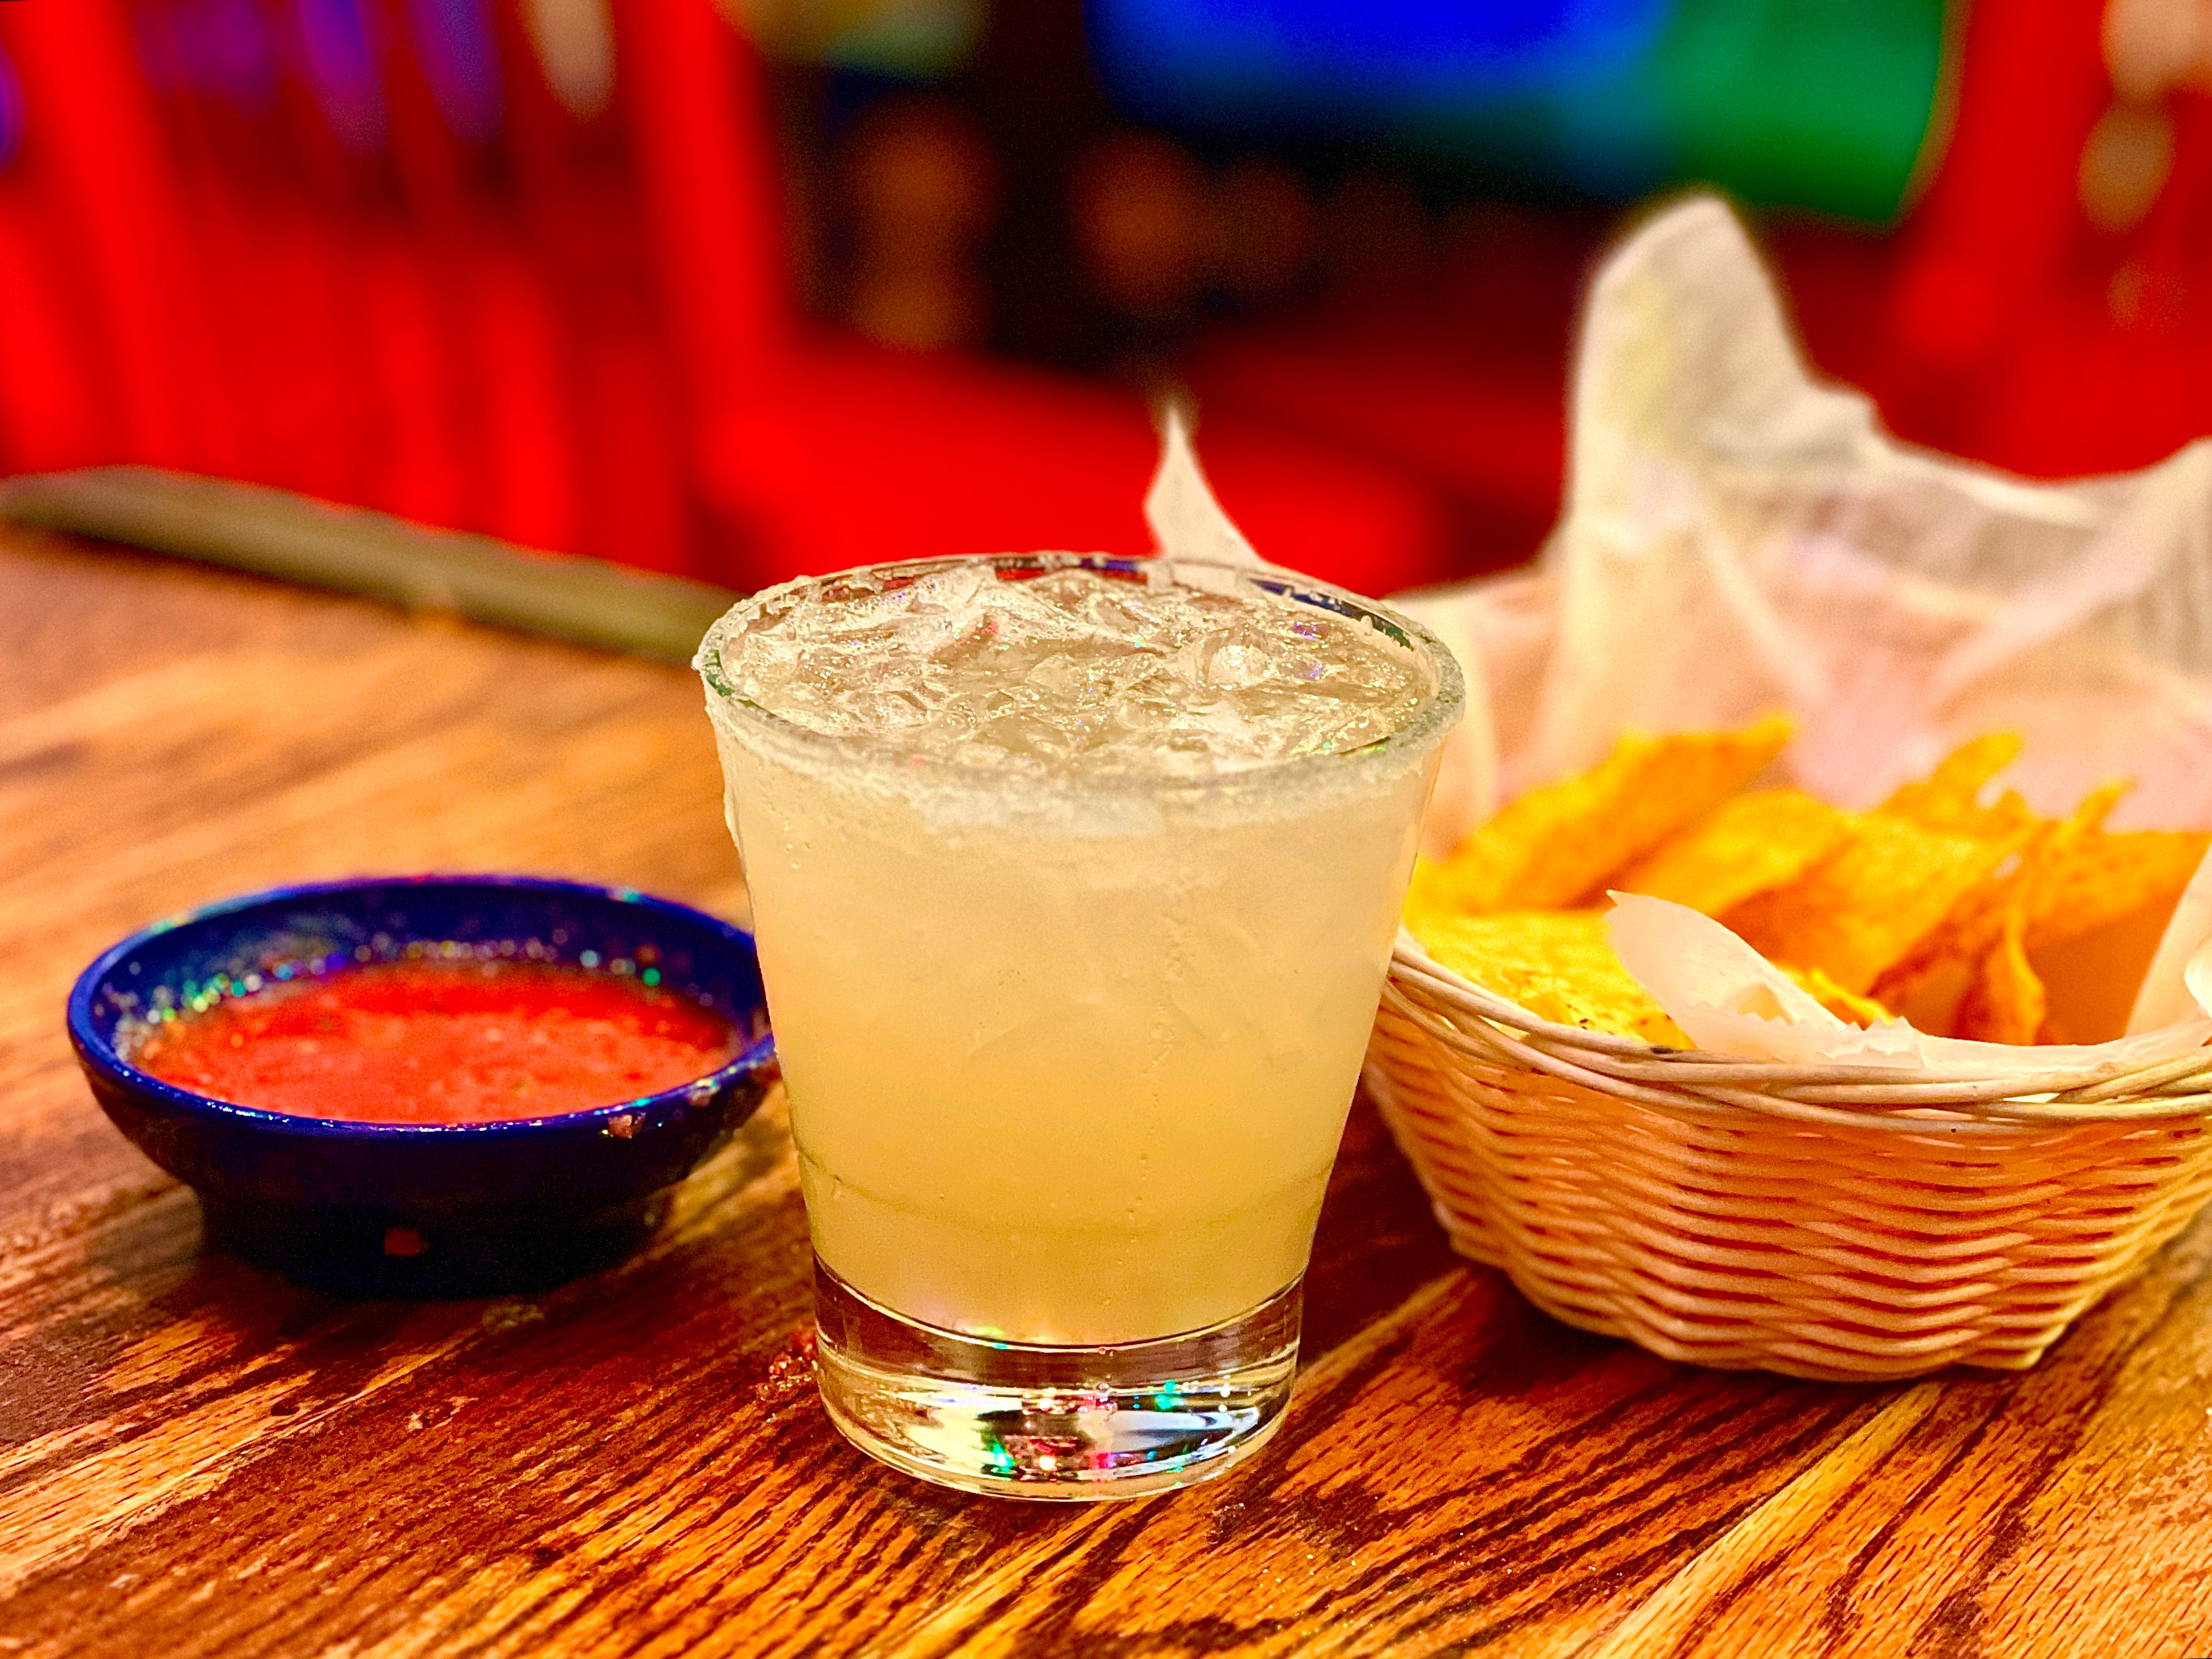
{"x": 1468, "y": 1019}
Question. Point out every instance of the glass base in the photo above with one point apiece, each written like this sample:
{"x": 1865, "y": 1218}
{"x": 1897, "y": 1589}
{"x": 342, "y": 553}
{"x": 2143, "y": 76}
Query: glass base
{"x": 1020, "y": 1419}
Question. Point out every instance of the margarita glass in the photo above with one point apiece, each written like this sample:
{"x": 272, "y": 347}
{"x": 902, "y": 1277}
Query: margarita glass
{"x": 1070, "y": 1018}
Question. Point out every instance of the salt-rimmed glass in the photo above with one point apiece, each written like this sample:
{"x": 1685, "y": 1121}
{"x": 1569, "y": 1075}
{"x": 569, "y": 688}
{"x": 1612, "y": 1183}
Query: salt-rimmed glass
{"x": 1068, "y": 1058}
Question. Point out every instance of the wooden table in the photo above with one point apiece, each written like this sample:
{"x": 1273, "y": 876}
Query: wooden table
{"x": 196, "y": 1458}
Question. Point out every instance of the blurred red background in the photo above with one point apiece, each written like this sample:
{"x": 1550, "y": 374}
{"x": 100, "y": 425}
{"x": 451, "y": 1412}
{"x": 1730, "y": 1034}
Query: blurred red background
{"x": 605, "y": 276}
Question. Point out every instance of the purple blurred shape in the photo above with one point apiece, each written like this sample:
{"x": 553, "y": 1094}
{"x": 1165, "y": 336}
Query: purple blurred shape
{"x": 341, "y": 56}
{"x": 12, "y": 111}
{"x": 226, "y": 44}
{"x": 461, "y": 63}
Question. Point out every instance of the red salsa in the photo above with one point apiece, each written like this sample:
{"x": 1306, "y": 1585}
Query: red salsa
{"x": 440, "y": 1042}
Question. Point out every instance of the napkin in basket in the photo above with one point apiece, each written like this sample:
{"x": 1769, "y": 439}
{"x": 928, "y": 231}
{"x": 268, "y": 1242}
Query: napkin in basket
{"x": 1739, "y": 537}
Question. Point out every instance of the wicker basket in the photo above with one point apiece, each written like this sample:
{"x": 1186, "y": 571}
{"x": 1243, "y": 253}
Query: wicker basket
{"x": 1836, "y": 1223}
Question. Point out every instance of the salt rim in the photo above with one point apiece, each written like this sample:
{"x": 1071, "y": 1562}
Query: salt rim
{"x": 1440, "y": 707}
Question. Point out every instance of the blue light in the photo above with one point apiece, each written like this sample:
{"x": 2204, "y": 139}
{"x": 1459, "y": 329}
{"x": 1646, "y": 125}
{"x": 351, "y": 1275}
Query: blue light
{"x": 1394, "y": 50}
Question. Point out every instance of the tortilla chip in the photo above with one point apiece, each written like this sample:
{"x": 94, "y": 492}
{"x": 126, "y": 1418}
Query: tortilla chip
{"x": 1930, "y": 1001}
{"x": 1860, "y": 911}
{"x": 1555, "y": 845}
{"x": 2095, "y": 877}
{"x": 1741, "y": 848}
{"x": 1861, "y": 1012}
{"x": 2090, "y": 981}
{"x": 1949, "y": 799}
{"x": 1558, "y": 964}
{"x": 1426, "y": 900}
{"x": 2006, "y": 1002}
{"x": 2050, "y": 850}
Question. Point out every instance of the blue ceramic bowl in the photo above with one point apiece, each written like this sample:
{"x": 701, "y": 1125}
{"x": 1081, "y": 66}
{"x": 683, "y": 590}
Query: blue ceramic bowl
{"x": 380, "y": 1209}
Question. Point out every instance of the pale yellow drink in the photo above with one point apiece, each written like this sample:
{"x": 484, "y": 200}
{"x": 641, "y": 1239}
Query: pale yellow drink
{"x": 1068, "y": 1087}
{"x": 1070, "y": 1027}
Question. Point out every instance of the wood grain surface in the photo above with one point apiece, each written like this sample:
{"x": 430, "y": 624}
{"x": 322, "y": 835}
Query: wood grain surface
{"x": 198, "y": 1459}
